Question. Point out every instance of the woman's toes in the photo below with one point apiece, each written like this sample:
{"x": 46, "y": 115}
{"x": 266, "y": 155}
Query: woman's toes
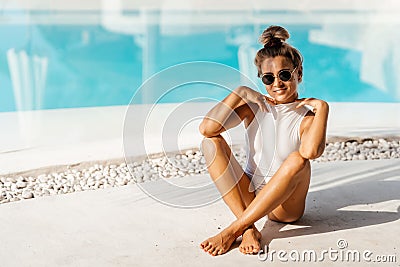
{"x": 215, "y": 252}
{"x": 211, "y": 250}
{"x": 203, "y": 244}
{"x": 208, "y": 247}
{"x": 251, "y": 250}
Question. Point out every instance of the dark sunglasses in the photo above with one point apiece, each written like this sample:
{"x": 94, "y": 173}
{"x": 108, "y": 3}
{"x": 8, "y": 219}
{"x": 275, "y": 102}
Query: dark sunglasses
{"x": 284, "y": 76}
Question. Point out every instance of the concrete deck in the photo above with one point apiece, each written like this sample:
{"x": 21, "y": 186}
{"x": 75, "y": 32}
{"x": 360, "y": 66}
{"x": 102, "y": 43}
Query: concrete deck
{"x": 356, "y": 201}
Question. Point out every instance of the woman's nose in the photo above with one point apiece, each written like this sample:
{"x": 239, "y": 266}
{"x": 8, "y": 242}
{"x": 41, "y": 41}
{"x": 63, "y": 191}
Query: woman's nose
{"x": 277, "y": 81}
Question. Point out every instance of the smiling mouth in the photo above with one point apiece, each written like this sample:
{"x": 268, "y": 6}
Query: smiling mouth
{"x": 280, "y": 89}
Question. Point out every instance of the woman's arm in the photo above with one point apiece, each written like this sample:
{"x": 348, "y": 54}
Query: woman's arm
{"x": 231, "y": 111}
{"x": 314, "y": 133}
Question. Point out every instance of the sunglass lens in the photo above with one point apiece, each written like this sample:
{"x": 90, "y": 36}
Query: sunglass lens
{"x": 268, "y": 79}
{"x": 285, "y": 75}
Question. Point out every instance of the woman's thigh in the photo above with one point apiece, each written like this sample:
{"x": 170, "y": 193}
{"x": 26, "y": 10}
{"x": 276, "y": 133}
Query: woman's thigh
{"x": 218, "y": 144}
{"x": 293, "y": 208}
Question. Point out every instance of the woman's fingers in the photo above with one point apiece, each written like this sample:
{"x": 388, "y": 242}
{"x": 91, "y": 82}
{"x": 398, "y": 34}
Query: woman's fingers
{"x": 302, "y": 102}
{"x": 313, "y": 102}
{"x": 256, "y": 97}
{"x": 271, "y": 100}
{"x": 263, "y": 104}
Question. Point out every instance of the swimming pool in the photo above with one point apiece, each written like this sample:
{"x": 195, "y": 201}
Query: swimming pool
{"x": 50, "y": 63}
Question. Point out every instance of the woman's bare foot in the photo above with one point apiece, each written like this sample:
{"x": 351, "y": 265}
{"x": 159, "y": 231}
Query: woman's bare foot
{"x": 220, "y": 243}
{"x": 250, "y": 241}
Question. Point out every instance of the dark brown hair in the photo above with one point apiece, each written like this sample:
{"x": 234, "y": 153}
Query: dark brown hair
{"x": 274, "y": 41}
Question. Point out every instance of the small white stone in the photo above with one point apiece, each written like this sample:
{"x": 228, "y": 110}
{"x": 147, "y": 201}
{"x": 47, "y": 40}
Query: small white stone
{"x": 14, "y": 187}
{"x": 26, "y": 194}
{"x": 90, "y": 182}
{"x": 362, "y": 157}
{"x": 43, "y": 178}
{"x": 11, "y": 180}
{"x": 21, "y": 184}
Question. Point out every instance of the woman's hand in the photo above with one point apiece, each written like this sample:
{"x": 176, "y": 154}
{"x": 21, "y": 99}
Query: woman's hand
{"x": 232, "y": 110}
{"x": 249, "y": 95}
{"x": 316, "y": 104}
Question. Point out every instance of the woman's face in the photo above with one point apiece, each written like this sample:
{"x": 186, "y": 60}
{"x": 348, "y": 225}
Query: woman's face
{"x": 281, "y": 91}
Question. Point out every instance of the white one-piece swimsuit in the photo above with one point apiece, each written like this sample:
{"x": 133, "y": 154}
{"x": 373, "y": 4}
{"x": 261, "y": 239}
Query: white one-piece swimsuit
{"x": 270, "y": 138}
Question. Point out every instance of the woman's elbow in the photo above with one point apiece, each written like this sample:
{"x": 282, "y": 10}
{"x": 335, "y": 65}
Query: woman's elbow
{"x": 205, "y": 131}
{"x": 310, "y": 153}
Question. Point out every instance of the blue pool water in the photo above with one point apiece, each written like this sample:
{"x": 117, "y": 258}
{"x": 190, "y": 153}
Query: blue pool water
{"x": 89, "y": 65}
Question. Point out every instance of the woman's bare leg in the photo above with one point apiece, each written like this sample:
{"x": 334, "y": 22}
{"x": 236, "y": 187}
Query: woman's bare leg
{"x": 293, "y": 208}
{"x": 283, "y": 198}
{"x": 233, "y": 185}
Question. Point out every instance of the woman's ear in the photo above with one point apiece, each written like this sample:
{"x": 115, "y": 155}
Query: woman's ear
{"x": 300, "y": 74}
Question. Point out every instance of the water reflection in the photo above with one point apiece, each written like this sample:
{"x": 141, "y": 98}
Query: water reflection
{"x": 101, "y": 56}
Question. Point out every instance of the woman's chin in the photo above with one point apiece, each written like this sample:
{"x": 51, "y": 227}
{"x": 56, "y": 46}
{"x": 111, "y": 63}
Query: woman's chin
{"x": 284, "y": 98}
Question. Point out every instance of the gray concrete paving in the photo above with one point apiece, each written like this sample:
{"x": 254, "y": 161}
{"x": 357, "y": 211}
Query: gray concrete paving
{"x": 356, "y": 202}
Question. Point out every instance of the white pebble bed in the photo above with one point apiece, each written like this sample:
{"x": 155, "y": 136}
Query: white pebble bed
{"x": 367, "y": 150}
{"x": 192, "y": 162}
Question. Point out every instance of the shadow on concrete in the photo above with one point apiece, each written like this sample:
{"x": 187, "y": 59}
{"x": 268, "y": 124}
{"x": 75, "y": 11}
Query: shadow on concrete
{"x": 330, "y": 209}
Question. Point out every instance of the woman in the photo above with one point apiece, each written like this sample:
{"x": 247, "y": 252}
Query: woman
{"x": 282, "y": 136}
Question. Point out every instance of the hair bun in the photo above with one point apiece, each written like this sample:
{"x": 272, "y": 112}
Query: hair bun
{"x": 273, "y": 42}
{"x": 274, "y": 36}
